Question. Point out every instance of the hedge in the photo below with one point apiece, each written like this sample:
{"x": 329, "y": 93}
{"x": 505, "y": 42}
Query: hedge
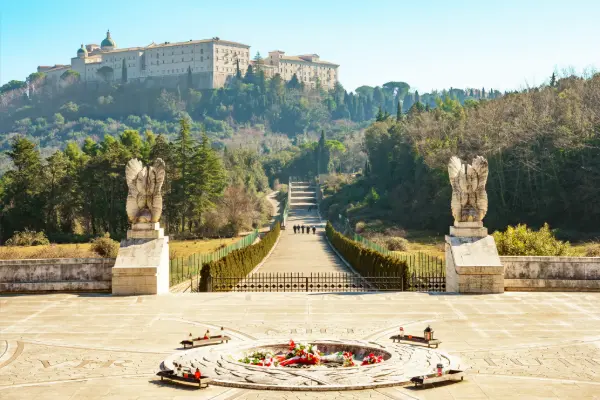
{"x": 239, "y": 263}
{"x": 365, "y": 261}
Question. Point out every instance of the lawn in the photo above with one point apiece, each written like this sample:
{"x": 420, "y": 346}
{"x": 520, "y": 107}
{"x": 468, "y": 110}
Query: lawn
{"x": 178, "y": 248}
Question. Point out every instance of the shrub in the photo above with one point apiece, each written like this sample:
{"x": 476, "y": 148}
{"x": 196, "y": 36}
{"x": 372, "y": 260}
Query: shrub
{"x": 28, "y": 238}
{"x": 239, "y": 263}
{"x": 396, "y": 244}
{"x": 360, "y": 227}
{"x": 105, "y": 246}
{"x": 523, "y": 241}
{"x": 592, "y": 250}
{"x": 365, "y": 261}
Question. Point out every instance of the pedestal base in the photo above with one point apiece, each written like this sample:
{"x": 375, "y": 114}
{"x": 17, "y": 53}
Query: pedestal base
{"x": 472, "y": 262}
{"x": 142, "y": 265}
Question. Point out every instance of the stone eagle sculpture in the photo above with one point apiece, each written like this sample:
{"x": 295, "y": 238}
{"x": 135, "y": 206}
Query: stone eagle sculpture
{"x": 469, "y": 199}
{"x": 144, "y": 201}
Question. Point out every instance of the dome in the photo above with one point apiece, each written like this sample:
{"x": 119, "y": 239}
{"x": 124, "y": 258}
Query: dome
{"x": 108, "y": 43}
{"x": 82, "y": 52}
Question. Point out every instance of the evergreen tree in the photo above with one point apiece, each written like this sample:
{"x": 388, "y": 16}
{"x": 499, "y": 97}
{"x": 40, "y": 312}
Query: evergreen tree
{"x": 322, "y": 155}
{"x": 553, "y": 80}
{"x": 190, "y": 81}
{"x": 399, "y": 112}
{"x": 380, "y": 116}
{"x": 249, "y": 78}
{"x": 209, "y": 179}
{"x": 417, "y": 97}
{"x": 182, "y": 182}
{"x": 293, "y": 83}
{"x": 238, "y": 72}
{"x": 124, "y": 72}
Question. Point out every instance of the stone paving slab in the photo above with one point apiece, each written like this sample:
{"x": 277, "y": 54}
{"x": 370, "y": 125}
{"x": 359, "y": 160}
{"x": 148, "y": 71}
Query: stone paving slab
{"x": 518, "y": 345}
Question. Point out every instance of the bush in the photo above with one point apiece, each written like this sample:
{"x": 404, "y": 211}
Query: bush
{"x": 28, "y": 238}
{"x": 105, "y": 246}
{"x": 396, "y": 244}
{"x": 523, "y": 241}
{"x": 239, "y": 263}
{"x": 592, "y": 250}
{"x": 365, "y": 261}
{"x": 360, "y": 227}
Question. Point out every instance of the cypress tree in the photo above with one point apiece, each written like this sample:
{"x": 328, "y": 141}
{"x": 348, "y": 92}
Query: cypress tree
{"x": 379, "y": 117}
{"x": 190, "y": 82}
{"x": 249, "y": 78}
{"x": 124, "y": 72}
{"x": 399, "y": 112}
{"x": 184, "y": 154}
{"x": 238, "y": 73}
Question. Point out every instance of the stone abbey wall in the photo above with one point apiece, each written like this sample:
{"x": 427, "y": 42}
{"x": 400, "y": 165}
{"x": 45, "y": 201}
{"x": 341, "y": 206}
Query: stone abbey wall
{"x": 56, "y": 275}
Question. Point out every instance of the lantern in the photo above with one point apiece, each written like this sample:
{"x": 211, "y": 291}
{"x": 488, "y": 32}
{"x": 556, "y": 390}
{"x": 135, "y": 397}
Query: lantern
{"x": 439, "y": 369}
{"x": 401, "y": 333}
{"x": 428, "y": 333}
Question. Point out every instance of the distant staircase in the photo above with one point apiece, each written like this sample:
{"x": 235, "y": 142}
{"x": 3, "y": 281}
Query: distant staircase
{"x": 302, "y": 194}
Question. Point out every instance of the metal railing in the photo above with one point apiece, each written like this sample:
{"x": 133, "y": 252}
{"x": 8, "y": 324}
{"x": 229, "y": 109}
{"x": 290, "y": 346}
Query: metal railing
{"x": 183, "y": 268}
{"x": 298, "y": 282}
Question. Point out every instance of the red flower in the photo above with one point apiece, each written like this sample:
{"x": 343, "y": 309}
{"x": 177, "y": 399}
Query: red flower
{"x": 292, "y": 344}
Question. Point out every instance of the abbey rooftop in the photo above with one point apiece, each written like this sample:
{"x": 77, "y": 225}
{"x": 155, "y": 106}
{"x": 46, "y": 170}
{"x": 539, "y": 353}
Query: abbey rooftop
{"x": 212, "y": 62}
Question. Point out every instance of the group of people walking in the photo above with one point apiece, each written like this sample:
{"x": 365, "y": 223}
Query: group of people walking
{"x": 302, "y": 228}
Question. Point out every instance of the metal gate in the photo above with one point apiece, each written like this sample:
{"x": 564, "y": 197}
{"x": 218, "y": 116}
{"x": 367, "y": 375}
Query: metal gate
{"x": 323, "y": 282}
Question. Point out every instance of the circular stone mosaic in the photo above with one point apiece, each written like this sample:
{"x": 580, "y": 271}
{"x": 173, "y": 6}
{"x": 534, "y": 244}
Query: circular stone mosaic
{"x": 401, "y": 362}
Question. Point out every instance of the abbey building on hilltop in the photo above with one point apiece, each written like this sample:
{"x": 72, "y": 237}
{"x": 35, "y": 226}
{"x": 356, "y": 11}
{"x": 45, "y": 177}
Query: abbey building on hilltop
{"x": 212, "y": 62}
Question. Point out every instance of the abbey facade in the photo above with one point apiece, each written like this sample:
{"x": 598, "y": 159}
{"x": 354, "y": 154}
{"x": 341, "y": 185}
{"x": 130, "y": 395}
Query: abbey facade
{"x": 212, "y": 62}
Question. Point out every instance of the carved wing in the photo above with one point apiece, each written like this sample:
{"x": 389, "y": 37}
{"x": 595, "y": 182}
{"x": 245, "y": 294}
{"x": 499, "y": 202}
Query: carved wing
{"x": 480, "y": 166}
{"x": 158, "y": 175}
{"x": 133, "y": 168}
{"x": 454, "y": 168}
{"x": 157, "y": 178}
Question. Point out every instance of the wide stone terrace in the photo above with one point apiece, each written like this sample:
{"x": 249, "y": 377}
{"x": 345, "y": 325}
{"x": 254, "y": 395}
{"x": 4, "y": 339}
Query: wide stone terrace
{"x": 518, "y": 345}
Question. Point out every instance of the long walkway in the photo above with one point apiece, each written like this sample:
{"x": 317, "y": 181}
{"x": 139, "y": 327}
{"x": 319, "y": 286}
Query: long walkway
{"x": 303, "y": 253}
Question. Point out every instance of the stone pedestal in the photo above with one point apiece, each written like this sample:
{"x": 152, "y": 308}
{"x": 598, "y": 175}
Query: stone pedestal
{"x": 472, "y": 261}
{"x": 142, "y": 265}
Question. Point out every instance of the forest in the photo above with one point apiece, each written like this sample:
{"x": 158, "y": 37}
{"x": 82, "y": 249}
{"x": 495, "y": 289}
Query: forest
{"x": 542, "y": 146}
{"x": 386, "y": 149}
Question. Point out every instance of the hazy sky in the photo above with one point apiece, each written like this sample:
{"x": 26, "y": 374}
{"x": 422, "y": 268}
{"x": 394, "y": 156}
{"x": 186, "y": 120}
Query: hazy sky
{"x": 499, "y": 44}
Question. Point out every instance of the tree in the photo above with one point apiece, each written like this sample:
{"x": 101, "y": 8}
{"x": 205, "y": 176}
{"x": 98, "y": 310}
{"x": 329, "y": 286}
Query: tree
{"x": 294, "y": 83}
{"x": 399, "y": 112}
{"x": 249, "y": 77}
{"x": 238, "y": 72}
{"x": 553, "y": 80}
{"x": 105, "y": 72}
{"x": 124, "y": 72}
{"x": 380, "y": 116}
{"x": 417, "y": 97}
{"x": 12, "y": 85}
{"x": 190, "y": 81}
{"x": 182, "y": 181}
{"x": 208, "y": 181}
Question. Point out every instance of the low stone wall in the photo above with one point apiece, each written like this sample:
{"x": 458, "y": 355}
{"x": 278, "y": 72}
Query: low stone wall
{"x": 528, "y": 273}
{"x": 56, "y": 275}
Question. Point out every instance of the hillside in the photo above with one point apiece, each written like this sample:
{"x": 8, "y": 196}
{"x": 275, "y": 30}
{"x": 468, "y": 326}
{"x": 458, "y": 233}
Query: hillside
{"x": 543, "y": 148}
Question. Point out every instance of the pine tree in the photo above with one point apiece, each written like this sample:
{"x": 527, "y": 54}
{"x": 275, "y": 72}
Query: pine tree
{"x": 399, "y": 112}
{"x": 124, "y": 72}
{"x": 184, "y": 154}
{"x": 249, "y": 78}
{"x": 553, "y": 80}
{"x": 379, "y": 117}
{"x": 209, "y": 178}
{"x": 322, "y": 155}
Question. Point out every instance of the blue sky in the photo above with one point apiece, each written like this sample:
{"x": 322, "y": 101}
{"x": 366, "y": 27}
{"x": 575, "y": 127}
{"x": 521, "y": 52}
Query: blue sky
{"x": 436, "y": 44}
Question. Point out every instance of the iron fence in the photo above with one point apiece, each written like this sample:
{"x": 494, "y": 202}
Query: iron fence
{"x": 321, "y": 282}
{"x": 183, "y": 268}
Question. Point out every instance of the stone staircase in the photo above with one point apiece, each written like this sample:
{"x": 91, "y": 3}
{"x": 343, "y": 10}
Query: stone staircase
{"x": 302, "y": 195}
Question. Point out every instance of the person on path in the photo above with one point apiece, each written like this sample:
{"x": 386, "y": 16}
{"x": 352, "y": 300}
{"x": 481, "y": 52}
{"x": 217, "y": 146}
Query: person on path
{"x": 314, "y": 229}
{"x": 307, "y": 230}
{"x": 294, "y": 228}
{"x": 302, "y": 228}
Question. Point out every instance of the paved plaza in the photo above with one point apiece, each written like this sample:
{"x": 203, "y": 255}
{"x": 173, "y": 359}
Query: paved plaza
{"x": 518, "y": 345}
